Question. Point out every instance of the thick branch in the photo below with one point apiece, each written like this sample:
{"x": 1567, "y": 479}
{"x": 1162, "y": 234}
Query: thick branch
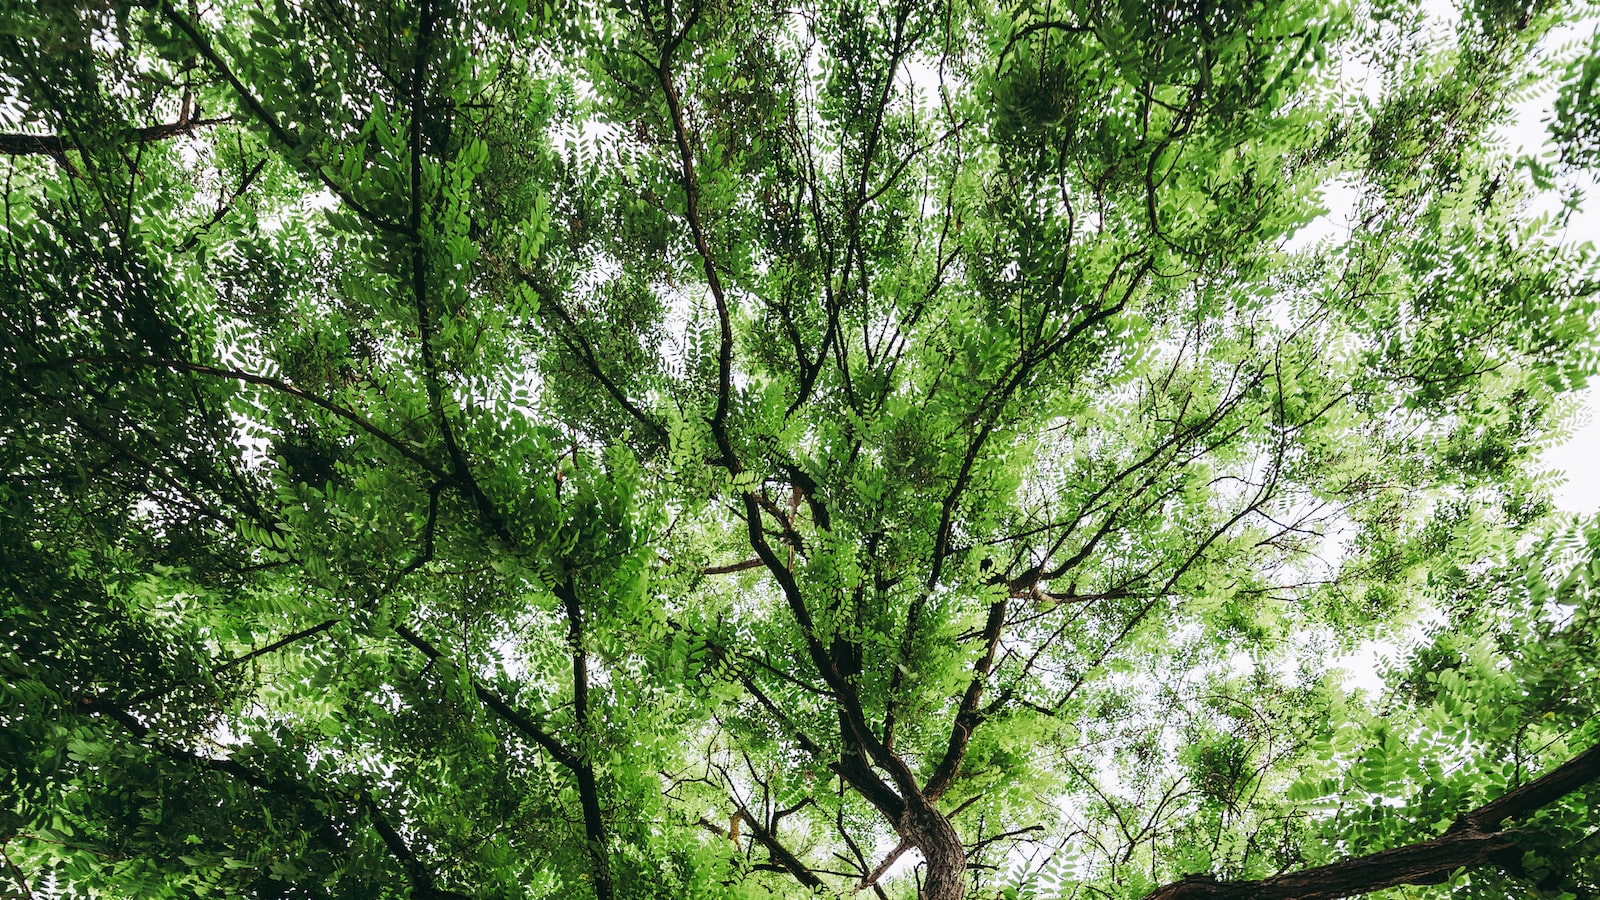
{"x": 1428, "y": 862}
{"x": 1473, "y": 842}
{"x": 849, "y": 767}
{"x": 852, "y": 720}
{"x": 55, "y": 144}
{"x": 1535, "y": 795}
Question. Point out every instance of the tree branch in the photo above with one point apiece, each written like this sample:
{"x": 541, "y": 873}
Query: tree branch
{"x": 781, "y": 854}
{"x": 594, "y": 824}
{"x": 283, "y": 387}
{"x": 871, "y": 878}
{"x": 258, "y": 109}
{"x": 1535, "y": 795}
{"x": 579, "y": 345}
{"x": 1473, "y": 842}
{"x": 422, "y": 883}
{"x": 691, "y": 191}
{"x": 729, "y": 569}
{"x": 55, "y": 144}
{"x": 497, "y": 704}
{"x": 968, "y": 716}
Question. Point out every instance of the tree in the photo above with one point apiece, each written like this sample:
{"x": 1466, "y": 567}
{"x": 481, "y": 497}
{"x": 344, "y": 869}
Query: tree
{"x": 460, "y": 449}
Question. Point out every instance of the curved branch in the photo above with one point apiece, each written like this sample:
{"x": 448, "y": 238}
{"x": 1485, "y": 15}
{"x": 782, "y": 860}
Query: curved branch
{"x": 422, "y": 883}
{"x": 579, "y": 345}
{"x": 1474, "y": 841}
{"x": 421, "y": 879}
{"x": 1034, "y": 28}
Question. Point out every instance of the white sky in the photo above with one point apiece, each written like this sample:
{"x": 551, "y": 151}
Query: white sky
{"x": 1578, "y": 457}
{"x": 1575, "y": 460}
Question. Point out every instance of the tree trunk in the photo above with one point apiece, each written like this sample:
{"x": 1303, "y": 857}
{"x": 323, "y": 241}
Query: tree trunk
{"x": 931, "y": 832}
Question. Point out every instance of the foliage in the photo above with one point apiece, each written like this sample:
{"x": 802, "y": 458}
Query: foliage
{"x": 475, "y": 448}
{"x": 1577, "y": 111}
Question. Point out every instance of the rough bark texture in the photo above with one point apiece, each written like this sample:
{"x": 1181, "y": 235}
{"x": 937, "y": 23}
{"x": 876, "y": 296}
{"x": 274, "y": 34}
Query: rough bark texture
{"x": 1536, "y": 794}
{"x": 931, "y": 832}
{"x": 1474, "y": 841}
{"x": 1429, "y": 862}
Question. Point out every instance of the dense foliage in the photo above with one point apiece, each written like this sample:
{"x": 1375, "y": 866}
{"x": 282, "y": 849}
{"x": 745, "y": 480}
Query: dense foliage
{"x": 480, "y": 448}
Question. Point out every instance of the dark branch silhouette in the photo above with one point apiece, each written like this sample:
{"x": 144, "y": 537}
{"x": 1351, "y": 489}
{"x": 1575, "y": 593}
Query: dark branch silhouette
{"x": 54, "y": 144}
{"x": 1474, "y": 841}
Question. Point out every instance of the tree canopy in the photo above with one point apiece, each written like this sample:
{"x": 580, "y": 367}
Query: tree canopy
{"x": 674, "y": 448}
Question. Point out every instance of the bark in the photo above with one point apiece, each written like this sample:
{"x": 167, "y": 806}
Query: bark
{"x": 594, "y": 823}
{"x": 55, "y": 144}
{"x": 1428, "y": 862}
{"x": 780, "y": 854}
{"x": 930, "y": 831}
{"x": 1474, "y": 841}
{"x": 1536, "y": 794}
